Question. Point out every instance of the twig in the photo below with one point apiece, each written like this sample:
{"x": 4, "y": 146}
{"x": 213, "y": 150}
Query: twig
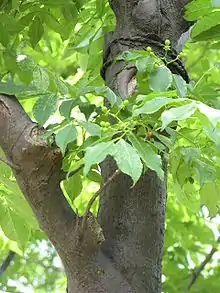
{"x": 198, "y": 271}
{"x": 10, "y": 164}
{"x": 101, "y": 189}
{"x": 6, "y": 262}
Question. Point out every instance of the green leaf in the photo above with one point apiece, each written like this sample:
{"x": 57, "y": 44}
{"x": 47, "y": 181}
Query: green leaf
{"x": 64, "y": 136}
{"x": 196, "y": 9}
{"x": 213, "y": 115}
{"x": 70, "y": 12}
{"x": 206, "y": 23}
{"x": 206, "y": 173}
{"x": 36, "y": 31}
{"x": 45, "y": 106}
{"x": 26, "y": 63}
{"x": 111, "y": 97}
{"x": 15, "y": 4}
{"x": 183, "y": 173}
{"x": 145, "y": 64}
{"x": 100, "y": 5}
{"x": 66, "y": 107}
{"x": 188, "y": 196}
{"x": 95, "y": 176}
{"x": 61, "y": 86}
{"x": 41, "y": 79}
{"x": 148, "y": 155}
{"x": 11, "y": 88}
{"x": 73, "y": 186}
{"x": 164, "y": 139}
{"x": 180, "y": 85}
{"x": 4, "y": 35}
{"x": 56, "y": 26}
{"x": 96, "y": 154}
{"x": 87, "y": 109}
{"x": 160, "y": 79}
{"x": 212, "y": 34}
{"x": 153, "y": 106}
{"x": 15, "y": 201}
{"x": 92, "y": 128}
{"x": 210, "y": 196}
{"x": 13, "y": 226}
{"x": 190, "y": 153}
{"x": 177, "y": 114}
{"x": 128, "y": 160}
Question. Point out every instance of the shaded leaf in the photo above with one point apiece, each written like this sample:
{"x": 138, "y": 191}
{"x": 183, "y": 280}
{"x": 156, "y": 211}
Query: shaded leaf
{"x": 148, "y": 155}
{"x": 180, "y": 85}
{"x": 96, "y": 154}
{"x": 41, "y": 79}
{"x": 73, "y": 186}
{"x": 160, "y": 79}
{"x": 66, "y": 135}
{"x": 45, "y": 106}
{"x": 205, "y": 172}
{"x": 36, "y": 31}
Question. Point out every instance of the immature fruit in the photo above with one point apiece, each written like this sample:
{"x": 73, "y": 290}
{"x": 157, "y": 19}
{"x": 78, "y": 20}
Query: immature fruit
{"x": 167, "y": 42}
{"x": 105, "y": 129}
{"x": 104, "y": 109}
{"x": 134, "y": 123}
{"x": 125, "y": 103}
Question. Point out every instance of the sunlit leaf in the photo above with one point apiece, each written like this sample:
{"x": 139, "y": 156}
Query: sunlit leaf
{"x": 128, "y": 160}
{"x": 36, "y": 31}
{"x": 178, "y": 114}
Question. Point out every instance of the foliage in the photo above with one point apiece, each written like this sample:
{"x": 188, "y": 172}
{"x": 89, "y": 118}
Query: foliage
{"x": 50, "y": 58}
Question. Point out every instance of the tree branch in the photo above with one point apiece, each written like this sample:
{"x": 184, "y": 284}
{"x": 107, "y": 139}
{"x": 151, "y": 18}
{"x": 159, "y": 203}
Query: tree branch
{"x": 9, "y": 164}
{"x": 6, "y": 262}
{"x": 39, "y": 176}
{"x": 92, "y": 200}
{"x": 198, "y": 271}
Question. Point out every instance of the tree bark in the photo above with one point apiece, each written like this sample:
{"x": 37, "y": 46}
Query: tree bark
{"x": 129, "y": 259}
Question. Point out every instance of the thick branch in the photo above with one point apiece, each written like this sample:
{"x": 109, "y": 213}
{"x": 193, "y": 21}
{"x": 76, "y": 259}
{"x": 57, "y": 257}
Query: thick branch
{"x": 40, "y": 172}
{"x": 9, "y": 164}
{"x": 87, "y": 268}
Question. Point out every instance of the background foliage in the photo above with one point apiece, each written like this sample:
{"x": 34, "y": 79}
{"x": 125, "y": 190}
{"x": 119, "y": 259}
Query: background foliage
{"x": 50, "y": 58}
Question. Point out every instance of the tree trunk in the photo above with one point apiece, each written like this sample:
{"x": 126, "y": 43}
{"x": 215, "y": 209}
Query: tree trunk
{"x": 129, "y": 258}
